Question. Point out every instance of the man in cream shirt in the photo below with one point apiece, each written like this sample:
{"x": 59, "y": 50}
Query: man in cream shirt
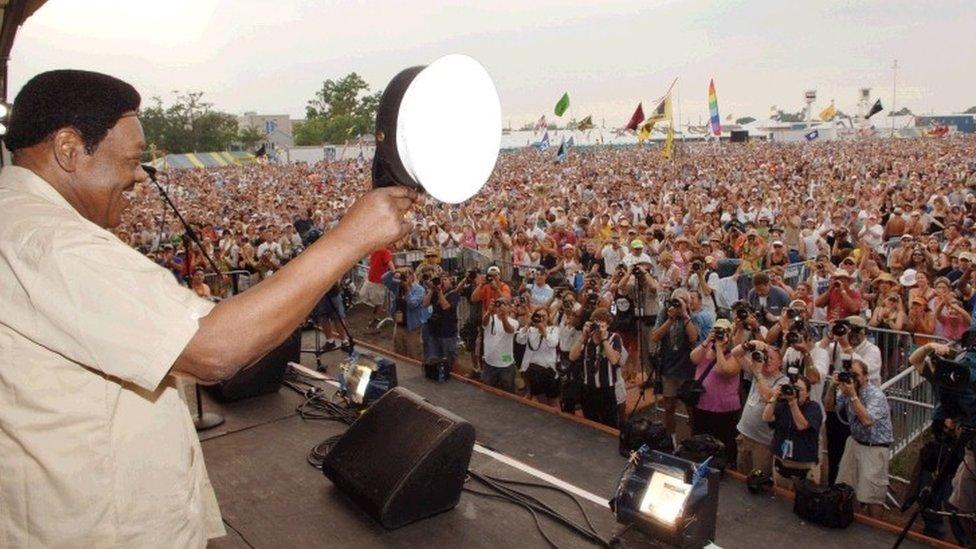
{"x": 98, "y": 450}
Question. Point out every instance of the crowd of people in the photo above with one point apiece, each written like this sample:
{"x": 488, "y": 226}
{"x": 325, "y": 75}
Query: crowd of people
{"x": 780, "y": 277}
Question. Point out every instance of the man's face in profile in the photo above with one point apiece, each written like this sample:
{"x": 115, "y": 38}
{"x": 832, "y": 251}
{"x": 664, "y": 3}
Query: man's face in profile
{"x": 114, "y": 168}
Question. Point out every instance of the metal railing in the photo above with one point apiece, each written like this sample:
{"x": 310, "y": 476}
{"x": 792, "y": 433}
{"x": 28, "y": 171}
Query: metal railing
{"x": 912, "y": 401}
{"x": 228, "y": 283}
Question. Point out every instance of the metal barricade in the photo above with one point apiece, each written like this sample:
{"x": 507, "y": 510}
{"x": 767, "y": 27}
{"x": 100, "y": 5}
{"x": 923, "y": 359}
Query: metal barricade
{"x": 912, "y": 401}
{"x": 238, "y": 281}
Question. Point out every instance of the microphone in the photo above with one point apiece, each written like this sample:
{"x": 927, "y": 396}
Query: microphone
{"x": 151, "y": 171}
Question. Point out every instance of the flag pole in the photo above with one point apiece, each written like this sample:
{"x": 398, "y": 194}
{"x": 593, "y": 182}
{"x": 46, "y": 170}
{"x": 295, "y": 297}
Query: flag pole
{"x": 677, "y": 92}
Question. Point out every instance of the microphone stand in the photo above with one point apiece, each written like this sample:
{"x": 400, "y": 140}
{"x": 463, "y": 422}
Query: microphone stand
{"x": 204, "y": 420}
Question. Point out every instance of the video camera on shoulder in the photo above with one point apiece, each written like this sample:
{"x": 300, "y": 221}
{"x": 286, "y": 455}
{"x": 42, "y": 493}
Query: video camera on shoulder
{"x": 955, "y": 381}
{"x": 955, "y": 374}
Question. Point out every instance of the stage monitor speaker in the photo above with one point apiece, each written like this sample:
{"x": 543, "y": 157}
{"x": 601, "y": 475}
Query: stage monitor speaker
{"x": 403, "y": 460}
{"x": 739, "y": 136}
{"x": 264, "y": 377}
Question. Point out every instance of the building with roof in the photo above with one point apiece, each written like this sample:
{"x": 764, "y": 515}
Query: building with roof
{"x": 278, "y": 129}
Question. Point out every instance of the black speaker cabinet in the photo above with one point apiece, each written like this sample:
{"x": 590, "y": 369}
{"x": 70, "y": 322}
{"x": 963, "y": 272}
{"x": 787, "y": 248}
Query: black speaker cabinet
{"x": 403, "y": 460}
{"x": 263, "y": 377}
{"x": 739, "y": 136}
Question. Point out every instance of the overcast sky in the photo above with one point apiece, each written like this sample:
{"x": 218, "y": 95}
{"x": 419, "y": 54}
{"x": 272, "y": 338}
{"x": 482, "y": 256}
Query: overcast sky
{"x": 270, "y": 57}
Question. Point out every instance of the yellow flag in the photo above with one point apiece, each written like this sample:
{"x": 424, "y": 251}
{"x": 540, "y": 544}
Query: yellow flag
{"x": 828, "y": 114}
{"x": 663, "y": 110}
{"x": 644, "y": 133}
{"x": 668, "y": 152}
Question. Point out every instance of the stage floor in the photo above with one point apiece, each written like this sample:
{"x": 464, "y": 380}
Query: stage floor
{"x": 271, "y": 497}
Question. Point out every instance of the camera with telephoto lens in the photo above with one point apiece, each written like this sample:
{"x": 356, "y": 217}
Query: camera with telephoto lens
{"x": 489, "y": 278}
{"x": 792, "y": 338}
{"x": 844, "y": 377}
{"x": 436, "y": 282}
{"x": 758, "y": 356}
{"x": 674, "y": 304}
{"x": 720, "y": 334}
{"x": 742, "y": 313}
{"x": 788, "y": 390}
{"x": 536, "y": 318}
{"x": 696, "y": 266}
{"x": 840, "y": 329}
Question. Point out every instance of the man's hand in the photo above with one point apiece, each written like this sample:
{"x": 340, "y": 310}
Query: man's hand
{"x": 940, "y": 349}
{"x": 377, "y": 217}
{"x": 846, "y": 388}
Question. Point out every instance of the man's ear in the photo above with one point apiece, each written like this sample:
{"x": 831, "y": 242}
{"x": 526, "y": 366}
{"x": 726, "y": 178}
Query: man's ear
{"x": 69, "y": 148}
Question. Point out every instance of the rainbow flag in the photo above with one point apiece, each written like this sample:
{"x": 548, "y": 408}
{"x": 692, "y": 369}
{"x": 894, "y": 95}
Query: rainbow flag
{"x": 716, "y": 122}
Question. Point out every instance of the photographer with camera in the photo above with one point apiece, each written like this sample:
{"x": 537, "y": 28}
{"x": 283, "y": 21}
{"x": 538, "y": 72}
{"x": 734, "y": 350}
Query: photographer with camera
{"x": 470, "y": 331}
{"x": 491, "y": 288}
{"x": 442, "y": 326}
{"x": 845, "y": 341}
{"x": 840, "y": 300}
{"x": 624, "y": 299}
{"x": 675, "y": 334}
{"x": 407, "y": 310}
{"x": 569, "y": 321}
{"x": 539, "y": 363}
{"x": 864, "y": 407}
{"x": 703, "y": 278}
{"x": 745, "y": 328}
{"x": 796, "y": 421}
{"x": 755, "y": 435}
{"x": 718, "y": 407}
{"x": 498, "y": 334}
{"x": 954, "y": 415}
{"x": 600, "y": 350}
{"x": 768, "y": 300}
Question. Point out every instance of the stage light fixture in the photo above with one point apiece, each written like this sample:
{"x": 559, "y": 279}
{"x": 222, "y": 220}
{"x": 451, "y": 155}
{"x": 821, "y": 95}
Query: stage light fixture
{"x": 354, "y": 381}
{"x": 4, "y": 117}
{"x": 667, "y": 498}
{"x": 438, "y": 129}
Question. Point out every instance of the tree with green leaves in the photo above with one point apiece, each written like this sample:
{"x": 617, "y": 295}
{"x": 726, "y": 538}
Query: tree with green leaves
{"x": 249, "y": 137}
{"x": 189, "y": 124}
{"x": 342, "y": 109}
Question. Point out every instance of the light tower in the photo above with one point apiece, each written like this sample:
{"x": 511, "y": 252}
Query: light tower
{"x": 809, "y": 97}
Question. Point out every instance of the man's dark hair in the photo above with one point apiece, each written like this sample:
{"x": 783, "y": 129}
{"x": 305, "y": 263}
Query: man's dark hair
{"x": 760, "y": 279}
{"x": 89, "y": 102}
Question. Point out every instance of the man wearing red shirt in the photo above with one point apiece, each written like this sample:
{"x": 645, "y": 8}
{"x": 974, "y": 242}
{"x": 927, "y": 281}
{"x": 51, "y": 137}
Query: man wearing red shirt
{"x": 841, "y": 300}
{"x": 373, "y": 291}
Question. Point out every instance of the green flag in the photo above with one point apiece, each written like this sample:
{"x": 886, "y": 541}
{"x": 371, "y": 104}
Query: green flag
{"x": 562, "y": 104}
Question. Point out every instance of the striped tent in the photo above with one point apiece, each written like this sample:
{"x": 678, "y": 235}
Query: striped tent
{"x": 203, "y": 160}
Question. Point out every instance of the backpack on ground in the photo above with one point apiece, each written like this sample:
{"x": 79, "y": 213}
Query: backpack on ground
{"x": 832, "y": 506}
{"x": 638, "y": 431}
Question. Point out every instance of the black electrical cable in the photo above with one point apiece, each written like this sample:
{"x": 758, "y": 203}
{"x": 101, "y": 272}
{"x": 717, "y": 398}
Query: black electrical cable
{"x": 524, "y": 499}
{"x": 545, "y": 509}
{"x": 318, "y": 452}
{"x": 318, "y": 408}
{"x": 586, "y": 516}
{"x": 527, "y": 507}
